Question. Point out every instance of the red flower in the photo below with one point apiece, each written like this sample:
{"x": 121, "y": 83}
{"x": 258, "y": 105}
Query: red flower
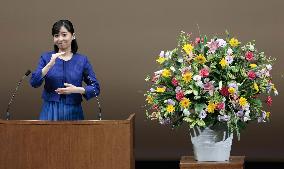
{"x": 221, "y": 106}
{"x": 269, "y": 101}
{"x": 204, "y": 72}
{"x": 251, "y": 75}
{"x": 179, "y": 95}
{"x": 174, "y": 82}
{"x": 249, "y": 56}
{"x": 155, "y": 107}
{"x": 224, "y": 91}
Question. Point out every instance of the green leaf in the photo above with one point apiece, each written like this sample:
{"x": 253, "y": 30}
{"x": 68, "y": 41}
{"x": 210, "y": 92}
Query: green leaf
{"x": 195, "y": 92}
{"x": 192, "y": 124}
{"x": 199, "y": 107}
{"x": 234, "y": 69}
{"x": 196, "y": 97}
{"x": 188, "y": 119}
{"x": 200, "y": 123}
{"x": 205, "y": 40}
{"x": 257, "y": 102}
{"x": 231, "y": 76}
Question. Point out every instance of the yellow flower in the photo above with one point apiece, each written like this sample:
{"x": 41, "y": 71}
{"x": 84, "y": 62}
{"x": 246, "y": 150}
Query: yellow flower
{"x": 170, "y": 108}
{"x": 273, "y": 87}
{"x": 161, "y": 60}
{"x": 149, "y": 99}
{"x": 231, "y": 90}
{"x": 166, "y": 73}
{"x": 211, "y": 107}
{"x": 187, "y": 48}
{"x": 243, "y": 101}
{"x": 255, "y": 86}
{"x": 187, "y": 77}
{"x": 253, "y": 65}
{"x": 200, "y": 59}
{"x": 234, "y": 42}
{"x": 223, "y": 63}
{"x": 267, "y": 114}
{"x": 161, "y": 89}
{"x": 185, "y": 103}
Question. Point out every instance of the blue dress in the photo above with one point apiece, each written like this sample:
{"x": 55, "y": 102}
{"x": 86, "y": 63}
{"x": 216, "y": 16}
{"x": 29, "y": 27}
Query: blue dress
{"x": 60, "y": 111}
{"x": 74, "y": 71}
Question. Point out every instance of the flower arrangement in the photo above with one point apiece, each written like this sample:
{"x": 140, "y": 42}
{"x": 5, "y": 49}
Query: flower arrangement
{"x": 207, "y": 82}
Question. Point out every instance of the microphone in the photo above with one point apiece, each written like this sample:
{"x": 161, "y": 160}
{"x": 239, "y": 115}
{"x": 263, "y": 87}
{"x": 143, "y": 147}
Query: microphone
{"x": 8, "y": 115}
{"x": 98, "y": 101}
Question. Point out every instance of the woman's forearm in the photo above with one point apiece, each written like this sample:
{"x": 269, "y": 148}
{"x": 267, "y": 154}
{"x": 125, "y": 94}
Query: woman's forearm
{"x": 45, "y": 70}
{"x": 81, "y": 90}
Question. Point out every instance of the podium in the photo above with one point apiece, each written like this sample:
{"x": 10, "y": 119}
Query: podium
{"x": 86, "y": 144}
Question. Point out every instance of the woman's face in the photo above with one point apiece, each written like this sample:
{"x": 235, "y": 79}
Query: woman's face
{"x": 63, "y": 39}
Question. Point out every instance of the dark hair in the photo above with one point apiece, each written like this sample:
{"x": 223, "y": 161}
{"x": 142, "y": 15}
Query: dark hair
{"x": 69, "y": 26}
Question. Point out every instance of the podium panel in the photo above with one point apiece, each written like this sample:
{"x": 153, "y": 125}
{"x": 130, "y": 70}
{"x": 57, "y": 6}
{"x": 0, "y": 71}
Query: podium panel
{"x": 86, "y": 144}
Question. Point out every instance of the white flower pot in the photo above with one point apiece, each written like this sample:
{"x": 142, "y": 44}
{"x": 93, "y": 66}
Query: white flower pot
{"x": 211, "y": 144}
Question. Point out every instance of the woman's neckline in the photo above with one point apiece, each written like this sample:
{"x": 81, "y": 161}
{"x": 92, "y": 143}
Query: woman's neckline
{"x": 72, "y": 56}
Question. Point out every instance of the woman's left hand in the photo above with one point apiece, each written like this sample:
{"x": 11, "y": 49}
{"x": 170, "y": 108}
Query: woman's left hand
{"x": 69, "y": 89}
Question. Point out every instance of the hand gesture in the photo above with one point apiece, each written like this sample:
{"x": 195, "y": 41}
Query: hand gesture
{"x": 68, "y": 89}
{"x": 54, "y": 56}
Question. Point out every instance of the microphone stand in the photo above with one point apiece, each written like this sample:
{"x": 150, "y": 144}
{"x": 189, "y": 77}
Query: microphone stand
{"x": 99, "y": 105}
{"x": 100, "y": 110}
{"x": 8, "y": 115}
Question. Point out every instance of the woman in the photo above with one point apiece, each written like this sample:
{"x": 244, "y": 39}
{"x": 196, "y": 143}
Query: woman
{"x": 63, "y": 71}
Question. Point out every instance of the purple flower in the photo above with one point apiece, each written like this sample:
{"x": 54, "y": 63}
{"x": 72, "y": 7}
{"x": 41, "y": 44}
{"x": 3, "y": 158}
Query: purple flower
{"x": 221, "y": 42}
{"x": 260, "y": 119}
{"x": 268, "y": 88}
{"x": 263, "y": 114}
{"x": 168, "y": 54}
{"x": 202, "y": 114}
{"x": 240, "y": 113}
{"x": 229, "y": 59}
{"x": 178, "y": 89}
{"x": 162, "y": 54}
{"x": 170, "y": 101}
{"x": 165, "y": 121}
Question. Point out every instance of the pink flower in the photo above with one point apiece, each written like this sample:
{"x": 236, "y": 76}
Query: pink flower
{"x": 204, "y": 72}
{"x": 251, "y": 75}
{"x": 209, "y": 87}
{"x": 249, "y": 56}
{"x": 213, "y": 45}
{"x": 269, "y": 101}
{"x": 221, "y": 106}
{"x": 174, "y": 82}
{"x": 198, "y": 40}
{"x": 154, "y": 79}
{"x": 179, "y": 95}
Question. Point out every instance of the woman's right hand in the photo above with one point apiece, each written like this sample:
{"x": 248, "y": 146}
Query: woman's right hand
{"x": 53, "y": 58}
{"x": 50, "y": 63}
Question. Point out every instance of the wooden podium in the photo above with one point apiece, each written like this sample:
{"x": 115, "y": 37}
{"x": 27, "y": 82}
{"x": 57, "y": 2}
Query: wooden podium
{"x": 86, "y": 144}
{"x": 235, "y": 162}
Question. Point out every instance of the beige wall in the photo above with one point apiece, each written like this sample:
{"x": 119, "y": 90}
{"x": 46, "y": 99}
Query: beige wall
{"x": 122, "y": 39}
